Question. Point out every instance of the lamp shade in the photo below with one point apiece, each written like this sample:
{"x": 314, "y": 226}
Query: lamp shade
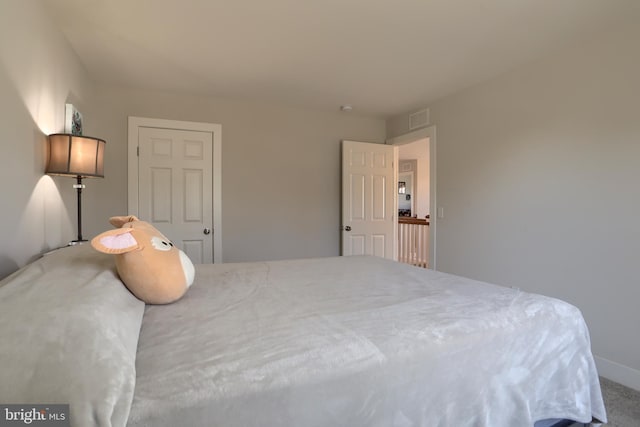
{"x": 74, "y": 155}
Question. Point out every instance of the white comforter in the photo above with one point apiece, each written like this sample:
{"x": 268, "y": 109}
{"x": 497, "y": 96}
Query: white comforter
{"x": 360, "y": 341}
{"x": 68, "y": 335}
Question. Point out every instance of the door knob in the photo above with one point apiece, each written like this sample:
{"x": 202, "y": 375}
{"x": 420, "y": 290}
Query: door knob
{"x": 347, "y": 228}
{"x": 207, "y": 231}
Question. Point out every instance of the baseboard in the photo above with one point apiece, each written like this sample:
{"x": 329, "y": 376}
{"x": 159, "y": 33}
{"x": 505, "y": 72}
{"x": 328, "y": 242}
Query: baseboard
{"x": 619, "y": 373}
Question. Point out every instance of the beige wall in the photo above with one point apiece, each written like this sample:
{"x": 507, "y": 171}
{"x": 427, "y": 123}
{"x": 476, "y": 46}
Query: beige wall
{"x": 38, "y": 74}
{"x": 280, "y": 169}
{"x": 538, "y": 172}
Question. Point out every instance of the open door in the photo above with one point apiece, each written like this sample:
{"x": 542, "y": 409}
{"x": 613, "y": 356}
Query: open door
{"x": 368, "y": 199}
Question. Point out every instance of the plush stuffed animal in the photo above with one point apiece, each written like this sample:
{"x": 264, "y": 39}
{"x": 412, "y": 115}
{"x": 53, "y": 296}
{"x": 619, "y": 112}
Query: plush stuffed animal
{"x": 150, "y": 266}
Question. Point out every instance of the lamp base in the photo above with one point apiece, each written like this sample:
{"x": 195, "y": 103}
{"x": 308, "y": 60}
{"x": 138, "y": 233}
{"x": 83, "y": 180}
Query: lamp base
{"x": 76, "y": 242}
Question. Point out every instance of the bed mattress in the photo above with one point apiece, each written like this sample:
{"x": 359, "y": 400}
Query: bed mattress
{"x": 360, "y": 341}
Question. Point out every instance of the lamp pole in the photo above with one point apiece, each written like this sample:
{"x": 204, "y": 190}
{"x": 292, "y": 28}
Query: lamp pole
{"x": 79, "y": 186}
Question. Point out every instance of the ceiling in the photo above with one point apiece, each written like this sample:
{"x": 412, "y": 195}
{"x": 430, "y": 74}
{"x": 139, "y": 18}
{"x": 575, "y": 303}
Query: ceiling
{"x": 384, "y": 57}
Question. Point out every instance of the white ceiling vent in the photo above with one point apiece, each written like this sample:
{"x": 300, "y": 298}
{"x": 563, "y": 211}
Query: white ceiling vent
{"x": 419, "y": 119}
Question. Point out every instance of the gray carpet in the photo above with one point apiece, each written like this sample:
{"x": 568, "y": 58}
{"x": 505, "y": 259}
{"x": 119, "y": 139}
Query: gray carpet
{"x": 622, "y": 403}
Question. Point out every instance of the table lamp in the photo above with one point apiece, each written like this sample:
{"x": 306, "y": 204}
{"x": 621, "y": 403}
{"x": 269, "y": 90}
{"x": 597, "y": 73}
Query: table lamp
{"x": 76, "y": 156}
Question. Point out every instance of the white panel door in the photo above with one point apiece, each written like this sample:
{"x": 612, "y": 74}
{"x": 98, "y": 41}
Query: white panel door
{"x": 368, "y": 199}
{"x": 175, "y": 187}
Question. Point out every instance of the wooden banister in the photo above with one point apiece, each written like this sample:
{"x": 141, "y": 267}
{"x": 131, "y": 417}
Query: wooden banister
{"x": 413, "y": 241}
{"x": 411, "y": 220}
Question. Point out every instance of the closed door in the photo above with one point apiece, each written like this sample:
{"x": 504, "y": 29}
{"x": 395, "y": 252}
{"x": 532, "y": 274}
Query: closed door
{"x": 175, "y": 187}
{"x": 368, "y": 199}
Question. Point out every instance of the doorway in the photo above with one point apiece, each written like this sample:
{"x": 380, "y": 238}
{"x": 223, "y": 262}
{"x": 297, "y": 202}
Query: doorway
{"x": 413, "y": 170}
{"x": 174, "y": 182}
{"x": 417, "y": 151}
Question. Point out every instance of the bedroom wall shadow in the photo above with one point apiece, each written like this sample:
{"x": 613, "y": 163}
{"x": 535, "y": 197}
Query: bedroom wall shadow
{"x": 7, "y": 266}
{"x": 38, "y": 72}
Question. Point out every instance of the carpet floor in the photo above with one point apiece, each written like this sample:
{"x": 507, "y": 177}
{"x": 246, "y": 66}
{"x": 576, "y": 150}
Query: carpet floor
{"x": 622, "y": 404}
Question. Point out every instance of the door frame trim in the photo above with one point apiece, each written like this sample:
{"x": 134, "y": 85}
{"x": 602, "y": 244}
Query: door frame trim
{"x": 132, "y": 167}
{"x": 426, "y": 132}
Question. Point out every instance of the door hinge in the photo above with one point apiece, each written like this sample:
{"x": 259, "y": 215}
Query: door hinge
{"x": 138, "y": 151}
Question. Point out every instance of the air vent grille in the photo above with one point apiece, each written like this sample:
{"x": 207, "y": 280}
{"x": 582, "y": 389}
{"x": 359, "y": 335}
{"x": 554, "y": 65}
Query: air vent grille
{"x": 419, "y": 119}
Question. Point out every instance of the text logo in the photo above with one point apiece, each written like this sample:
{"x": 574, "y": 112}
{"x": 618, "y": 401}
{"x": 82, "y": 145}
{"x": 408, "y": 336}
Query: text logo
{"x": 34, "y": 415}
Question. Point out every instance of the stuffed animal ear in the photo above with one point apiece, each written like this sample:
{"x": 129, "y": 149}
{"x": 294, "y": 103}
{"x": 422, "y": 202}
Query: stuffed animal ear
{"x": 119, "y": 221}
{"x": 116, "y": 241}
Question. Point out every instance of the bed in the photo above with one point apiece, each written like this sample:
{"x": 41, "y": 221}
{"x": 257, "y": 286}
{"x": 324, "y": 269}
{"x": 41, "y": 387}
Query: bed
{"x": 342, "y": 341}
